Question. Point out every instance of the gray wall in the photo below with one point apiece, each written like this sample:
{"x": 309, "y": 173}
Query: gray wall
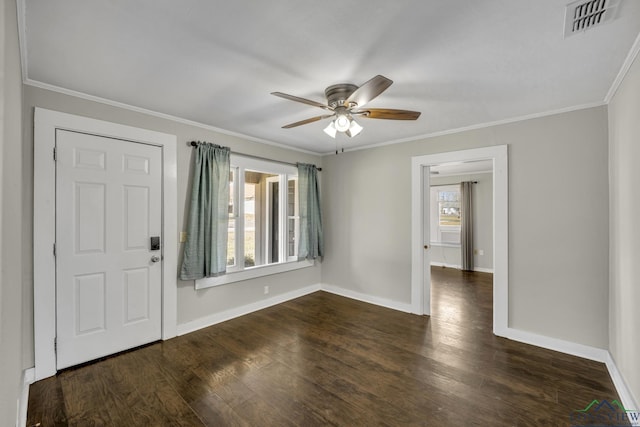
{"x": 482, "y": 223}
{"x": 624, "y": 296}
{"x": 11, "y": 289}
{"x": 192, "y": 304}
{"x": 558, "y": 221}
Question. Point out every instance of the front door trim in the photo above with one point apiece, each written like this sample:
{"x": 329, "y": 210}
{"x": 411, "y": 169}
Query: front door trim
{"x": 44, "y": 209}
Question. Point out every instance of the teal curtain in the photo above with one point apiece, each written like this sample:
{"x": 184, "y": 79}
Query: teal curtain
{"x": 311, "y": 243}
{"x": 205, "y": 251}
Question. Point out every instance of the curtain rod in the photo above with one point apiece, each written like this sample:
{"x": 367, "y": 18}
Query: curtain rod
{"x": 196, "y": 143}
{"x": 453, "y": 183}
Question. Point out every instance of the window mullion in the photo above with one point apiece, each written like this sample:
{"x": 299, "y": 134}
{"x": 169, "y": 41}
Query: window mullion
{"x": 240, "y": 221}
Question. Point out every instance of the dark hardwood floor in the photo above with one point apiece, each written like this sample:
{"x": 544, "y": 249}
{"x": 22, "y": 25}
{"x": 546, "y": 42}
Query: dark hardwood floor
{"x": 328, "y": 360}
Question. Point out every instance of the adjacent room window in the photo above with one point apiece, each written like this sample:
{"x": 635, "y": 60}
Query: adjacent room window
{"x": 445, "y": 214}
{"x": 263, "y": 214}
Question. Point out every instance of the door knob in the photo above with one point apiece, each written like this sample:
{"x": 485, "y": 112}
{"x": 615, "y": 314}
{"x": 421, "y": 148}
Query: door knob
{"x": 426, "y": 246}
{"x": 155, "y": 258}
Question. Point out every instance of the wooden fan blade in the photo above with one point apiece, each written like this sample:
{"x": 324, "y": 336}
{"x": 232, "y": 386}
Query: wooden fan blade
{"x": 304, "y": 122}
{"x": 390, "y": 114}
{"x": 369, "y": 90}
{"x": 298, "y": 99}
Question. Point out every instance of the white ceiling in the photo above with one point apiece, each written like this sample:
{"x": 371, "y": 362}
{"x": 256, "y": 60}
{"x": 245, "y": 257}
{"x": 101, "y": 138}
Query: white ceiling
{"x": 461, "y": 63}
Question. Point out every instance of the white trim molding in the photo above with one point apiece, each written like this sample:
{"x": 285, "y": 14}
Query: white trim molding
{"x": 626, "y": 65}
{"x": 46, "y": 122}
{"x": 459, "y": 267}
{"x": 421, "y": 288}
{"x": 624, "y": 392}
{"x": 370, "y": 299}
{"x": 204, "y": 322}
{"x": 28, "y": 378}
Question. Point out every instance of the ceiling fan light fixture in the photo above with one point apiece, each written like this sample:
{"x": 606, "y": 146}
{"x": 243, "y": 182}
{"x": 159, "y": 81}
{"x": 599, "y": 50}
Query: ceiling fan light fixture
{"x": 331, "y": 130}
{"x": 342, "y": 123}
{"x": 354, "y": 129}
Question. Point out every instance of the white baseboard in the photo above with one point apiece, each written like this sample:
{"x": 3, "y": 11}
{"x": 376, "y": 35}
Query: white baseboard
{"x": 586, "y": 352}
{"x": 567, "y": 347}
{"x": 459, "y": 267}
{"x": 223, "y": 316}
{"x": 383, "y": 302}
{"x": 28, "y": 378}
{"x": 627, "y": 398}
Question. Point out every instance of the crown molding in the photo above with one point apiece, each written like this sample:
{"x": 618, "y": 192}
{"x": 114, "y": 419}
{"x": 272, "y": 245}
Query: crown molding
{"x": 164, "y": 116}
{"x": 477, "y": 126}
{"x": 626, "y": 65}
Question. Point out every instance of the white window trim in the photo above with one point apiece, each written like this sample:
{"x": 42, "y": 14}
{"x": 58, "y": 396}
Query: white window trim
{"x": 236, "y": 273}
{"x": 253, "y": 273}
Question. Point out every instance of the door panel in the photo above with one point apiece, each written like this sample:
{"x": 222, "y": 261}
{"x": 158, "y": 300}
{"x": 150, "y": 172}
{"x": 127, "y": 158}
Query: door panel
{"x": 108, "y": 205}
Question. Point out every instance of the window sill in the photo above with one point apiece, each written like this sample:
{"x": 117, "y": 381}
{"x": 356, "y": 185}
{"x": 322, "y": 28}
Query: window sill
{"x": 252, "y": 273}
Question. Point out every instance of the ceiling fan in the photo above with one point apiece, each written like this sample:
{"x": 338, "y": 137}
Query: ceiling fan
{"x": 345, "y": 101}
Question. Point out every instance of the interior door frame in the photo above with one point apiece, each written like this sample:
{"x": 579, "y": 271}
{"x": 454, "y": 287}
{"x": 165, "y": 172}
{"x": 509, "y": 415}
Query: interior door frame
{"x": 420, "y": 291}
{"x": 46, "y": 123}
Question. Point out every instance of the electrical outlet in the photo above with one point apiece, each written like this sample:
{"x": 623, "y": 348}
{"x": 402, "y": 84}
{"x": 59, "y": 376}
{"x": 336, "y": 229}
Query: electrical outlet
{"x": 266, "y": 290}
{"x": 183, "y": 236}
{"x": 480, "y": 252}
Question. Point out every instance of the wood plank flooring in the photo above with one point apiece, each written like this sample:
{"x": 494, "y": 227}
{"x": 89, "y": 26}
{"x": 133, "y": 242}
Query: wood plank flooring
{"x": 328, "y": 360}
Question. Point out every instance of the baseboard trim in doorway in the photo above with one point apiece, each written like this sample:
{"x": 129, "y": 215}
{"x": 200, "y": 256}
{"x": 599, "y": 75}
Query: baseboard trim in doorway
{"x": 223, "y": 316}
{"x": 459, "y": 267}
{"x": 28, "y": 378}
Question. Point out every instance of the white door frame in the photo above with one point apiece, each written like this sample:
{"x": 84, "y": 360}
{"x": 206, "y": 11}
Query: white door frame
{"x": 46, "y": 122}
{"x": 420, "y": 291}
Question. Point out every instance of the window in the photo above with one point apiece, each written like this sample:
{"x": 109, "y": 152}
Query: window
{"x": 445, "y": 215}
{"x": 263, "y": 209}
{"x": 263, "y": 221}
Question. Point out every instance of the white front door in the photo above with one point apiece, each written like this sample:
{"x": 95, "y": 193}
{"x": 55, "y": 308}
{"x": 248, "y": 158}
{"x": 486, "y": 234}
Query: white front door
{"x": 108, "y": 274}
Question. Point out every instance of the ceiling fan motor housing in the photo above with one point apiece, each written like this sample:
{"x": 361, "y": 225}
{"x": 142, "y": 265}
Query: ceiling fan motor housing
{"x": 338, "y": 94}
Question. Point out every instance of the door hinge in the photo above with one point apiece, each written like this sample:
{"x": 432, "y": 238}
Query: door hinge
{"x": 54, "y": 154}
{"x": 55, "y": 344}
{"x": 54, "y": 249}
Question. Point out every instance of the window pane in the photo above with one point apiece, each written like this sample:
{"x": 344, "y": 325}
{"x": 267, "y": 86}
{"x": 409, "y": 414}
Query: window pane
{"x": 232, "y": 192}
{"x": 261, "y": 223}
{"x": 292, "y": 218}
{"x": 231, "y": 243}
{"x": 449, "y": 208}
{"x": 273, "y": 225}
{"x": 249, "y": 225}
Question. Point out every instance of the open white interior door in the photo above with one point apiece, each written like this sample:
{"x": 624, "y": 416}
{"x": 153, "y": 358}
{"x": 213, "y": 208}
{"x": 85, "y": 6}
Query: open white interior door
{"x": 426, "y": 238}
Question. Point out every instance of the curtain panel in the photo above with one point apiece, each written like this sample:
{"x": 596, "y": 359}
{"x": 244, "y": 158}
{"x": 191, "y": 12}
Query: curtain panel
{"x": 466, "y": 226}
{"x": 205, "y": 251}
{"x": 311, "y": 243}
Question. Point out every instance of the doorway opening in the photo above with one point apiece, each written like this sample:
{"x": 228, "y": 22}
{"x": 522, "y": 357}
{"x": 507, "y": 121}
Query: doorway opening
{"x": 421, "y": 251}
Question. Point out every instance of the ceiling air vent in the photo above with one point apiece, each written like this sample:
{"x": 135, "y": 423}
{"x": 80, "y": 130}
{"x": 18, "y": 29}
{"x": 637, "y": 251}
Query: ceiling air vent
{"x": 582, "y": 15}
